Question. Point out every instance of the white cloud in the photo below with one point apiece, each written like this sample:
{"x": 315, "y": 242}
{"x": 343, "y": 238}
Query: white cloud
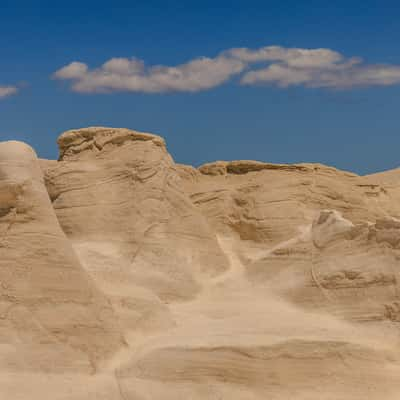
{"x": 6, "y": 91}
{"x": 272, "y": 65}
{"x": 120, "y": 74}
{"x": 322, "y": 68}
{"x": 75, "y": 70}
{"x": 303, "y": 58}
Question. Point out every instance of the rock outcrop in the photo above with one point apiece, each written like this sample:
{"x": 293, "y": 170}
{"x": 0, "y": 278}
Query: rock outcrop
{"x": 53, "y": 318}
{"x": 126, "y": 276}
{"x": 119, "y": 200}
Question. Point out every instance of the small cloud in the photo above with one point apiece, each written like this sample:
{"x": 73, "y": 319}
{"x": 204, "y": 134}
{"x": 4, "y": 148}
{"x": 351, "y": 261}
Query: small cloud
{"x": 273, "y": 65}
{"x": 6, "y": 91}
{"x": 74, "y": 70}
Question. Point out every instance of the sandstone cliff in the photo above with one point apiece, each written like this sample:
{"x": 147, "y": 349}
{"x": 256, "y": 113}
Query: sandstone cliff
{"x": 126, "y": 276}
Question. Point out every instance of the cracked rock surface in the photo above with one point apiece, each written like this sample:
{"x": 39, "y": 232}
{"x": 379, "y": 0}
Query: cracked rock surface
{"x": 126, "y": 276}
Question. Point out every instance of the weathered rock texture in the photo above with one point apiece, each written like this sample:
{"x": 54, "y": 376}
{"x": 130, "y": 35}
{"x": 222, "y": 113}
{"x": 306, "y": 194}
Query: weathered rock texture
{"x": 126, "y": 276}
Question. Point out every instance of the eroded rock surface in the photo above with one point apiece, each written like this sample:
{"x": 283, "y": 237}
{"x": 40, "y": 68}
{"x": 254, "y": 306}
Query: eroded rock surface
{"x": 126, "y": 276}
{"x": 53, "y": 318}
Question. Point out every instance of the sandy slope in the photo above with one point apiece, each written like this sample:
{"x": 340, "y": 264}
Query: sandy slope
{"x": 237, "y": 280}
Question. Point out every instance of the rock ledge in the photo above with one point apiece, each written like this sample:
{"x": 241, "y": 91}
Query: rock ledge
{"x": 95, "y": 139}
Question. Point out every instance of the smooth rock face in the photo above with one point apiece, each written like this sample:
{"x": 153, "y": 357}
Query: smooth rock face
{"x": 53, "y": 318}
{"x": 126, "y": 276}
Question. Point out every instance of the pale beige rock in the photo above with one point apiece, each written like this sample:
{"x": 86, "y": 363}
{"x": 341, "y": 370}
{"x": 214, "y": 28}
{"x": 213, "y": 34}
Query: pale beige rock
{"x": 119, "y": 199}
{"x": 53, "y": 319}
{"x": 237, "y": 280}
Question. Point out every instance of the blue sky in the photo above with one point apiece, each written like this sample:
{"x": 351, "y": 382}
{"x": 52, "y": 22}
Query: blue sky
{"x": 275, "y": 104}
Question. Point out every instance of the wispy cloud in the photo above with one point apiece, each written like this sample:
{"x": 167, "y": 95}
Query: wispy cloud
{"x": 6, "y": 91}
{"x": 271, "y": 65}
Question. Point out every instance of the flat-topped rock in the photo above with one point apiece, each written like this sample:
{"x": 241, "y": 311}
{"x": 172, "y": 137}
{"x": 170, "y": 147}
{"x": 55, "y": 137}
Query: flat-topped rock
{"x": 94, "y": 140}
{"x": 239, "y": 167}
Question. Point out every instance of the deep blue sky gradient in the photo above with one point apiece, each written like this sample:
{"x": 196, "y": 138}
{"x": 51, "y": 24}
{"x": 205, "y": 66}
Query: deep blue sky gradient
{"x": 356, "y": 129}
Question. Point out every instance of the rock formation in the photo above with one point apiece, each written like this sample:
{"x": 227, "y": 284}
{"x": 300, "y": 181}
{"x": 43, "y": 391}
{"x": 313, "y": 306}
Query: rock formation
{"x": 126, "y": 276}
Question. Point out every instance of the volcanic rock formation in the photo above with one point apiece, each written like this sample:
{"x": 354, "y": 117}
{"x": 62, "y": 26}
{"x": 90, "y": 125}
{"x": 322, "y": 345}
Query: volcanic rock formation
{"x": 126, "y": 276}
